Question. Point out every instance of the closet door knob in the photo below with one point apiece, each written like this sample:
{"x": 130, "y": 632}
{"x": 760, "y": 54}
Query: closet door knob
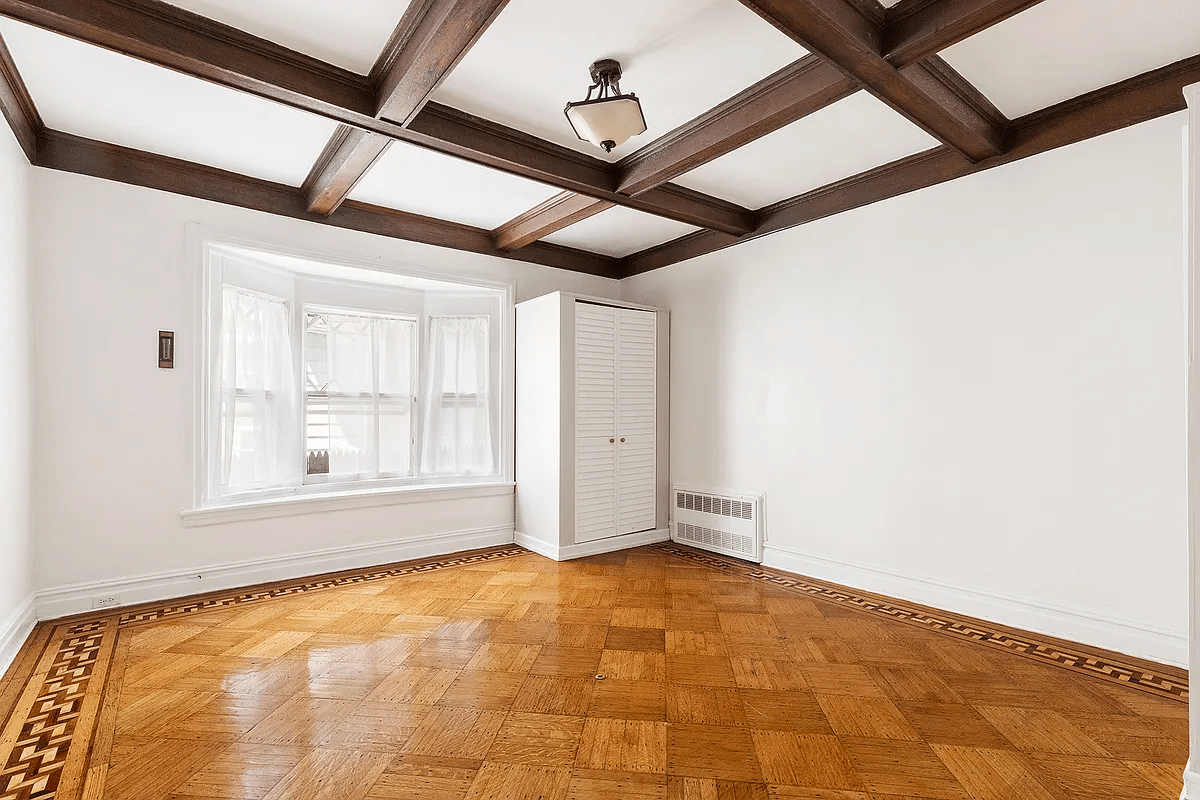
{"x": 622, "y": 439}
{"x": 611, "y": 441}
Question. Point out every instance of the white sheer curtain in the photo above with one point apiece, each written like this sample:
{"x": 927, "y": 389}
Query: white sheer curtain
{"x": 458, "y": 431}
{"x": 359, "y": 394}
{"x": 258, "y": 435}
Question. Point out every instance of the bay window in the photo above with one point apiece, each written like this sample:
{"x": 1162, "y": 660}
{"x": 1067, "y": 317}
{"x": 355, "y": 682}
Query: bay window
{"x": 332, "y": 378}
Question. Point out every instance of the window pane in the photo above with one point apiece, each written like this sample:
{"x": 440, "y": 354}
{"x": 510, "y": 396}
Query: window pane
{"x": 256, "y": 438}
{"x": 395, "y": 356}
{"x": 458, "y": 432}
{"x": 343, "y": 428}
{"x": 338, "y": 353}
{"x": 316, "y": 349}
{"x": 357, "y": 364}
{"x": 395, "y": 436}
{"x": 445, "y": 331}
{"x": 351, "y": 364}
{"x": 241, "y": 442}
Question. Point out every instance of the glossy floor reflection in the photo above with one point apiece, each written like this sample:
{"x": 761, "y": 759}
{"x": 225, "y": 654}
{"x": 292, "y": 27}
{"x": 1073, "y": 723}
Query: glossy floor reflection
{"x": 483, "y": 681}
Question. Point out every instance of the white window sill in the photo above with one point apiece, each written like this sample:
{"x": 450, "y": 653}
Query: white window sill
{"x": 312, "y": 504}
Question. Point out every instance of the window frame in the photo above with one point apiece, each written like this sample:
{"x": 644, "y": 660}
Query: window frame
{"x": 330, "y": 479}
{"x": 213, "y": 249}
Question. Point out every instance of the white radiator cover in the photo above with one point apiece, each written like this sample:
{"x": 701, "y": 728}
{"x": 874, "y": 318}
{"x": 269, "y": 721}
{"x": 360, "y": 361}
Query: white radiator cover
{"x": 730, "y": 523}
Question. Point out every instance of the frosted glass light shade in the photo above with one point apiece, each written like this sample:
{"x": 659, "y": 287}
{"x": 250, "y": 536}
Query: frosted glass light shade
{"x": 608, "y": 122}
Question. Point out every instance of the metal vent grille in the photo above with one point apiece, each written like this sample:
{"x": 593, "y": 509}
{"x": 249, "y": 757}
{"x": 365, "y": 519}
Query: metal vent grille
{"x": 730, "y": 542}
{"x": 721, "y": 506}
{"x": 724, "y": 522}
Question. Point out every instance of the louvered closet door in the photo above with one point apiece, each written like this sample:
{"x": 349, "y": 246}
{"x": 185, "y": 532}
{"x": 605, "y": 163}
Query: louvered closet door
{"x": 636, "y": 402}
{"x": 595, "y": 422}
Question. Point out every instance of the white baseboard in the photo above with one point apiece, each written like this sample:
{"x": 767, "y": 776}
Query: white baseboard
{"x": 595, "y": 548}
{"x": 1144, "y": 641}
{"x": 536, "y": 545}
{"x": 15, "y": 630}
{"x": 76, "y": 598}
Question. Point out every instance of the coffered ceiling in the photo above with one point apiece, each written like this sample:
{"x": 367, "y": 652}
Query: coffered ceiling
{"x": 680, "y": 57}
{"x": 1058, "y": 49}
{"x": 842, "y": 139}
{"x": 442, "y": 120}
{"x": 411, "y": 178}
{"x": 125, "y": 101}
{"x": 350, "y": 35}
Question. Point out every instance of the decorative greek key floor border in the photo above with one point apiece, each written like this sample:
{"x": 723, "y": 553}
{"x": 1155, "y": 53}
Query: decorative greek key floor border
{"x": 341, "y": 579}
{"x": 1106, "y": 666}
{"x": 47, "y": 749}
{"x": 41, "y": 745}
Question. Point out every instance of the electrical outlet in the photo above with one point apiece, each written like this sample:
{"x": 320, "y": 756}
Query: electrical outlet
{"x": 106, "y": 601}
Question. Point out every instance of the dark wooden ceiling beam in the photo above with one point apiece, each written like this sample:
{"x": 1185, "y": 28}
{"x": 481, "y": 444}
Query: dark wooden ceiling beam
{"x": 167, "y": 36}
{"x": 915, "y": 29}
{"x": 1140, "y": 99}
{"x": 17, "y": 106}
{"x": 69, "y": 153}
{"x": 567, "y": 208}
{"x": 347, "y": 157}
{"x": 444, "y": 33}
{"x": 457, "y": 133}
{"x": 560, "y": 211}
{"x": 840, "y": 32}
{"x": 431, "y": 38}
{"x": 792, "y": 93}
{"x": 171, "y": 37}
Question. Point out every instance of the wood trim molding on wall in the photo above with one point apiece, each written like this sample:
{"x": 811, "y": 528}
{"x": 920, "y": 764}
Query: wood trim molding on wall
{"x": 69, "y": 153}
{"x": 17, "y": 106}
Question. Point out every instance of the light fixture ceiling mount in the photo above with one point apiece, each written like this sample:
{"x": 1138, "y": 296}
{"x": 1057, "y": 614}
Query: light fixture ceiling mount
{"x": 609, "y": 119}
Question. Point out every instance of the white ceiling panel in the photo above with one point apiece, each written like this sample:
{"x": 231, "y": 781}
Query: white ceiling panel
{"x": 98, "y": 94}
{"x": 680, "y": 57}
{"x": 851, "y": 136}
{"x": 350, "y": 35}
{"x": 620, "y": 231}
{"x": 421, "y": 181}
{"x": 1060, "y": 49}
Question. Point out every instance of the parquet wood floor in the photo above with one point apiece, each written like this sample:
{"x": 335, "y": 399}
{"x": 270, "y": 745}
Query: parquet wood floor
{"x": 651, "y": 674}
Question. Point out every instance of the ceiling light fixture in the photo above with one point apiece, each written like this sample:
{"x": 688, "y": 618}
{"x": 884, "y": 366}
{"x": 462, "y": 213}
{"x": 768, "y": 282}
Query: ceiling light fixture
{"x": 611, "y": 118}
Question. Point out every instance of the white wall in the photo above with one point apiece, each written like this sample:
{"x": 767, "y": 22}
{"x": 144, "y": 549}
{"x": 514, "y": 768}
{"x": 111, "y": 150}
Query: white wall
{"x": 971, "y": 396}
{"x": 113, "y": 436}
{"x": 16, "y": 532}
{"x": 1191, "y": 778}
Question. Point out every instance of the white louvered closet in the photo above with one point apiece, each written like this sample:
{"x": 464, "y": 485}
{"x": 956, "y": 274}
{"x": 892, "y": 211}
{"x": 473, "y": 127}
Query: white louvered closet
{"x": 591, "y": 425}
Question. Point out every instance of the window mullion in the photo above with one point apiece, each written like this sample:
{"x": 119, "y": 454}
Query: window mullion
{"x": 376, "y": 347}
{"x": 414, "y": 388}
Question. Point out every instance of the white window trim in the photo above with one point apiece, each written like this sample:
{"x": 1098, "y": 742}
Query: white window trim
{"x": 313, "y": 498}
{"x": 286, "y": 506}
